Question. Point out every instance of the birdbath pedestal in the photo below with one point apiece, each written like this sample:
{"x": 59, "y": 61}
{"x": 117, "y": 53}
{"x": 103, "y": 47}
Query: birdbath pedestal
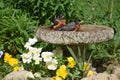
{"x": 88, "y": 34}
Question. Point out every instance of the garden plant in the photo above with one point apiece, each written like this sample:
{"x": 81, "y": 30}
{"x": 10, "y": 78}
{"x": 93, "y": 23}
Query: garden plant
{"x": 20, "y": 50}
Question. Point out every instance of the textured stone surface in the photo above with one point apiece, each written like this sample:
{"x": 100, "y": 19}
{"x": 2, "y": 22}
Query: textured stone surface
{"x": 18, "y": 75}
{"x": 102, "y": 76}
{"x": 116, "y": 71}
{"x": 87, "y": 34}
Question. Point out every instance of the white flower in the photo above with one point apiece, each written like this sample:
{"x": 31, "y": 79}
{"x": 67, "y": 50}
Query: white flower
{"x": 37, "y": 59}
{"x": 52, "y": 65}
{"x": 32, "y": 50}
{"x": 32, "y": 40}
{"x": 1, "y": 53}
{"x": 26, "y": 58}
{"x": 37, "y": 74}
{"x": 47, "y": 56}
{"x": 21, "y": 68}
{"x": 37, "y": 51}
{"x": 27, "y": 45}
{"x": 30, "y": 75}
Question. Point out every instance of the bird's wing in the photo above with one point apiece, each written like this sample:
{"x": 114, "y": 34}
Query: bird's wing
{"x": 71, "y": 25}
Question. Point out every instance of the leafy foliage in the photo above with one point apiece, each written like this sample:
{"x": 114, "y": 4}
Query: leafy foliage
{"x": 102, "y": 13}
{"x": 45, "y": 10}
{"x": 16, "y": 27}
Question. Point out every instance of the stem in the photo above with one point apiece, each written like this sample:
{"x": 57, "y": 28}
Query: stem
{"x": 83, "y": 58}
{"x": 79, "y": 53}
{"x": 111, "y": 8}
{"x": 83, "y": 53}
{"x": 90, "y": 57}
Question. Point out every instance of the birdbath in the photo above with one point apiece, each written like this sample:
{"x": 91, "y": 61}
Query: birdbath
{"x": 88, "y": 34}
{"x": 74, "y": 42}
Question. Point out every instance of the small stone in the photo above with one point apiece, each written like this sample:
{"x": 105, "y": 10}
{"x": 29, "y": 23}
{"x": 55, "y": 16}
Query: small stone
{"x": 116, "y": 71}
{"x": 102, "y": 76}
{"x": 18, "y": 75}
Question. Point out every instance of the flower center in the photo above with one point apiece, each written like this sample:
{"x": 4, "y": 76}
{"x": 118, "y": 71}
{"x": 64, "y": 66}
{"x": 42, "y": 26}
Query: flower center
{"x": 47, "y": 56}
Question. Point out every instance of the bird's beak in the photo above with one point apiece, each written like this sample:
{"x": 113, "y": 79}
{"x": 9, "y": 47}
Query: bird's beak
{"x": 62, "y": 16}
{"x": 81, "y": 22}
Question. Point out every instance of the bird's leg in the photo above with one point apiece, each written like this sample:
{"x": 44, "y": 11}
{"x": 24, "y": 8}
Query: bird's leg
{"x": 77, "y": 27}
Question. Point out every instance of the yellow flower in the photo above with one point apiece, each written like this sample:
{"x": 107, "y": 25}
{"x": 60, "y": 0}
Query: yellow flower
{"x": 90, "y": 73}
{"x": 16, "y": 68}
{"x": 13, "y": 61}
{"x": 86, "y": 66}
{"x": 71, "y": 62}
{"x": 7, "y": 57}
{"x": 62, "y": 72}
{"x": 57, "y": 78}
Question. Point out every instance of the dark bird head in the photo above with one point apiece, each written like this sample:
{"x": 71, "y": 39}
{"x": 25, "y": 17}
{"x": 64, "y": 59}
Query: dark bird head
{"x": 55, "y": 22}
{"x": 77, "y": 21}
{"x": 61, "y": 16}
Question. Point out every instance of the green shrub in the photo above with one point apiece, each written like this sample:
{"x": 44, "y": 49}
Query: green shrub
{"x": 104, "y": 12}
{"x": 45, "y": 10}
{"x": 15, "y": 28}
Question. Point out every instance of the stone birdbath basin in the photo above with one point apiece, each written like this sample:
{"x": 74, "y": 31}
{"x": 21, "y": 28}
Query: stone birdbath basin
{"x": 88, "y": 34}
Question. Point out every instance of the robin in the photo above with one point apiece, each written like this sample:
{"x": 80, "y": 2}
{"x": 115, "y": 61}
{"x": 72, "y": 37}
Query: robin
{"x": 59, "y": 22}
{"x": 72, "y": 26}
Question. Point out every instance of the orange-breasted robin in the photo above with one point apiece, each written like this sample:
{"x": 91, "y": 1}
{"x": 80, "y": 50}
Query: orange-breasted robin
{"x": 72, "y": 26}
{"x": 59, "y": 22}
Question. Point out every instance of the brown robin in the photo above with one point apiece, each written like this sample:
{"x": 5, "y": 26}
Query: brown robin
{"x": 59, "y": 22}
{"x": 72, "y": 26}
